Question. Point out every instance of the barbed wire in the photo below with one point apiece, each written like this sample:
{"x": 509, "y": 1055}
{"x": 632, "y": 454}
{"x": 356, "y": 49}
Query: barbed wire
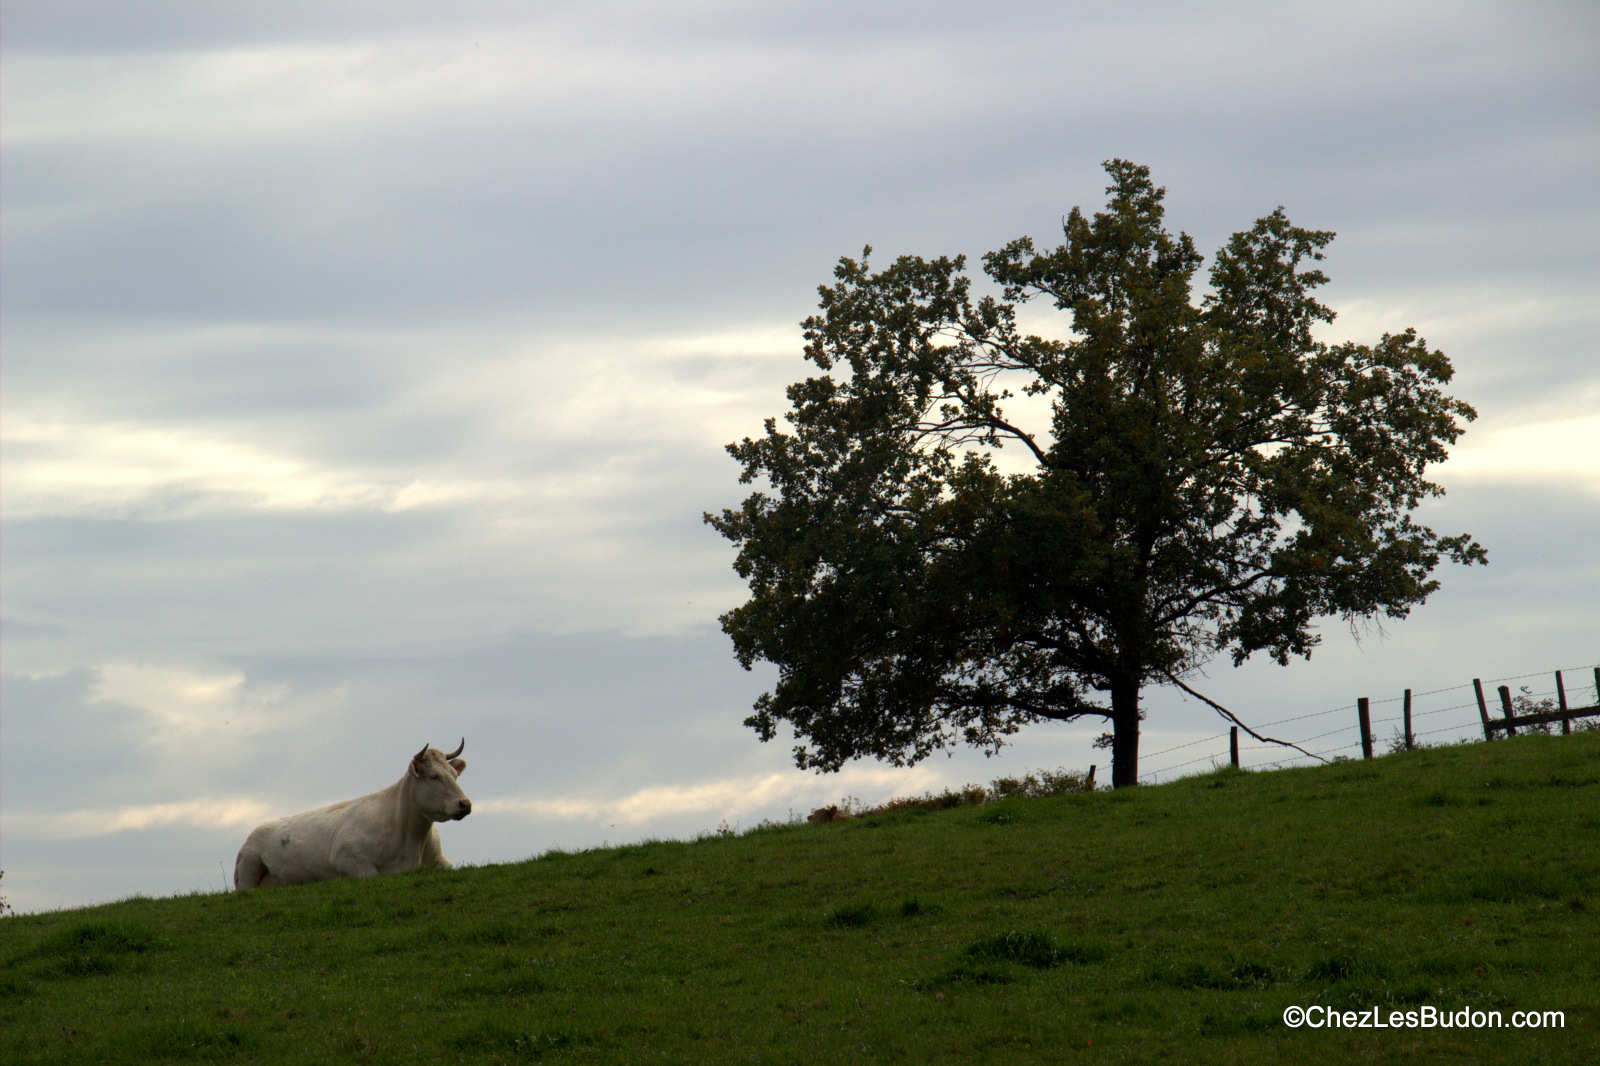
{"x": 1442, "y": 710}
{"x": 1303, "y": 717}
{"x": 1436, "y": 691}
{"x": 1519, "y": 677}
{"x": 1190, "y": 744}
{"x": 1445, "y": 729}
{"x": 1274, "y": 762}
{"x": 1179, "y": 766}
{"x": 1468, "y": 727}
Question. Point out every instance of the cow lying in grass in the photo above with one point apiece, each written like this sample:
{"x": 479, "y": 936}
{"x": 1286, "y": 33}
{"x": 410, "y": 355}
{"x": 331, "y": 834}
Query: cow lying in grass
{"x": 384, "y": 832}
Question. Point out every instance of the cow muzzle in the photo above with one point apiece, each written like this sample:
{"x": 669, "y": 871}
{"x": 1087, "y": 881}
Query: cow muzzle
{"x": 463, "y": 808}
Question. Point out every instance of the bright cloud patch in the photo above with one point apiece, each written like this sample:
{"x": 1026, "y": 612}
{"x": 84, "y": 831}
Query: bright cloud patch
{"x": 63, "y": 468}
{"x": 1568, "y": 450}
{"x": 208, "y": 813}
{"x": 184, "y": 705}
{"x": 730, "y": 798}
{"x": 119, "y": 470}
{"x": 530, "y": 424}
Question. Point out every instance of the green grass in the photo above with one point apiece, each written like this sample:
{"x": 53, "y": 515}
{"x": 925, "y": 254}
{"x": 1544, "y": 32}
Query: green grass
{"x": 1163, "y": 924}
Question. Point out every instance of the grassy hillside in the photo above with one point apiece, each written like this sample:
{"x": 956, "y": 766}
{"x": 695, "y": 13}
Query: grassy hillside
{"x": 1169, "y": 923}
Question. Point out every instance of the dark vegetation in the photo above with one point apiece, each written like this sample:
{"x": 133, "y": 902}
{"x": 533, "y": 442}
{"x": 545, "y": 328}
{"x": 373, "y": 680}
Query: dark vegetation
{"x": 1197, "y": 475}
{"x": 1167, "y": 923}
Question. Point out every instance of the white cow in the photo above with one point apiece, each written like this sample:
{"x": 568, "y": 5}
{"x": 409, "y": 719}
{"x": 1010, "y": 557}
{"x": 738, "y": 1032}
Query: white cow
{"x": 384, "y": 832}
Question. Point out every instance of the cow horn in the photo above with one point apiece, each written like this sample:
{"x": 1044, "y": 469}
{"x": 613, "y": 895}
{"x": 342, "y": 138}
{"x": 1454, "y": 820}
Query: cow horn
{"x": 458, "y": 750}
{"x": 420, "y": 754}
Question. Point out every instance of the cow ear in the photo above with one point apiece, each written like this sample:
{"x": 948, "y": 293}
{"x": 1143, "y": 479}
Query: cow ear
{"x": 459, "y": 764}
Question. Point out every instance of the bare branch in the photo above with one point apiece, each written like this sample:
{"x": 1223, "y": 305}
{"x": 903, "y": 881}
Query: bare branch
{"x": 1230, "y": 716}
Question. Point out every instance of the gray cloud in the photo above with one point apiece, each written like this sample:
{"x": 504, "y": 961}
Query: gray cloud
{"x": 410, "y": 174}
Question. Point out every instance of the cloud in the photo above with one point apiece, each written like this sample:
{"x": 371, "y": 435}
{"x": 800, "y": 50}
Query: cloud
{"x": 693, "y": 158}
{"x": 165, "y": 471}
{"x": 135, "y": 744}
{"x": 1566, "y": 452}
{"x": 728, "y": 798}
{"x": 214, "y": 710}
{"x": 207, "y": 813}
{"x": 110, "y": 470}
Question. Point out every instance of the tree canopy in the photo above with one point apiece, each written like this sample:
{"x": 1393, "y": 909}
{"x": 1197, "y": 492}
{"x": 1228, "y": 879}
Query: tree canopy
{"x": 926, "y": 567}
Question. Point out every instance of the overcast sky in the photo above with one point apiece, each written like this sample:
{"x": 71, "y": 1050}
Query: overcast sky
{"x": 367, "y": 369}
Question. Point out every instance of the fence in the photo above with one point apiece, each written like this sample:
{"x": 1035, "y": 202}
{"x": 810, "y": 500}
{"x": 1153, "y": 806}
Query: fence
{"x": 1527, "y": 708}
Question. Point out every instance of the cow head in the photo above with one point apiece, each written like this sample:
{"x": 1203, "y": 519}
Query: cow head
{"x": 434, "y": 787}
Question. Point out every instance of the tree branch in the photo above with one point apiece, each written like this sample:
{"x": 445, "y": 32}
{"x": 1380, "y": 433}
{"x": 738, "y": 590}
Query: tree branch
{"x": 1234, "y": 718}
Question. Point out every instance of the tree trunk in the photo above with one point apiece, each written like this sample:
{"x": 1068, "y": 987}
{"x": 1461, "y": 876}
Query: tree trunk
{"x": 1125, "y": 734}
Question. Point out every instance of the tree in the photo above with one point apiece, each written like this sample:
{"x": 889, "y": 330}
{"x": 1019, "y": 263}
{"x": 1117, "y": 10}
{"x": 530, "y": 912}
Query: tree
{"x": 1212, "y": 478}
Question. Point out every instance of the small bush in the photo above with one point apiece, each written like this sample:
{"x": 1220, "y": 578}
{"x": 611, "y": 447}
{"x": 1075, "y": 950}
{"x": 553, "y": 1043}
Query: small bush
{"x": 978, "y": 975}
{"x": 94, "y": 936}
{"x": 853, "y": 915}
{"x": 14, "y": 987}
{"x": 1226, "y": 977}
{"x": 1345, "y": 965}
{"x": 494, "y": 1035}
{"x": 1039, "y": 783}
{"x": 1032, "y": 949}
{"x": 518, "y": 983}
{"x": 492, "y": 931}
{"x": 967, "y": 796}
{"x": 1500, "y": 886}
{"x": 196, "y": 1040}
{"x": 88, "y": 949}
{"x": 1000, "y": 814}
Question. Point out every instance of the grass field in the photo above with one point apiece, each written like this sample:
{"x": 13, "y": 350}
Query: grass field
{"x": 1172, "y": 923}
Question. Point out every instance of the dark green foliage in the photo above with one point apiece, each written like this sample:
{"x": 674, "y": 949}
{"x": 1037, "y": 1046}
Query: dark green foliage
{"x": 1502, "y": 885}
{"x": 1032, "y": 949}
{"x": 516, "y": 982}
{"x": 1201, "y": 974}
{"x": 196, "y": 1040}
{"x": 911, "y": 908}
{"x": 969, "y": 796}
{"x": 1037, "y": 783}
{"x": 497, "y": 1036}
{"x": 1209, "y": 477}
{"x": 494, "y": 931}
{"x": 978, "y": 973}
{"x": 1345, "y": 965}
{"x": 1164, "y": 924}
{"x": 853, "y": 916}
{"x": 1001, "y": 813}
{"x": 89, "y": 949}
{"x": 14, "y": 985}
{"x": 1238, "y": 1023}
{"x": 95, "y": 937}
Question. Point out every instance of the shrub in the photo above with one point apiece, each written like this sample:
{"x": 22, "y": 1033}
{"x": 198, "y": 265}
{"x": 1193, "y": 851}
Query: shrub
{"x": 1059, "y": 782}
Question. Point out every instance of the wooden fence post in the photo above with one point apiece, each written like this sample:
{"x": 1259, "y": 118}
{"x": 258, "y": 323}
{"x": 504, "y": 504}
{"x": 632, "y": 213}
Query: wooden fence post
{"x": 1561, "y": 695}
{"x": 1505, "y": 705}
{"x": 1483, "y": 709}
{"x": 1411, "y": 741}
{"x": 1233, "y": 746}
{"x": 1366, "y": 728}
